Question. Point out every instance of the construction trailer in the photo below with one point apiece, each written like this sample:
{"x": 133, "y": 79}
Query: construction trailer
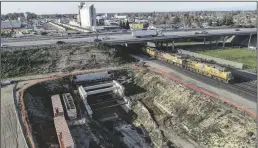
{"x": 63, "y": 133}
{"x": 97, "y": 76}
{"x": 57, "y": 106}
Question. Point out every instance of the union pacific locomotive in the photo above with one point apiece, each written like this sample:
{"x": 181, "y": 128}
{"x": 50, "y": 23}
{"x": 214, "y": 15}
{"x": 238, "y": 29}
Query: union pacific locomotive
{"x": 206, "y": 68}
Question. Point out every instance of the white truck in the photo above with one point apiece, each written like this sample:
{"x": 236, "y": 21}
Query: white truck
{"x": 8, "y": 82}
{"x": 146, "y": 33}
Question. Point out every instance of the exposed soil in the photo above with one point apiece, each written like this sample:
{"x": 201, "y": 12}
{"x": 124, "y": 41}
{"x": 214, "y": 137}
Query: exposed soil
{"x": 164, "y": 114}
{"x": 172, "y": 112}
{"x": 66, "y": 58}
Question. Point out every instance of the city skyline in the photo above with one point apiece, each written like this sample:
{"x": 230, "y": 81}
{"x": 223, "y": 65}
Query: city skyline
{"x": 120, "y": 7}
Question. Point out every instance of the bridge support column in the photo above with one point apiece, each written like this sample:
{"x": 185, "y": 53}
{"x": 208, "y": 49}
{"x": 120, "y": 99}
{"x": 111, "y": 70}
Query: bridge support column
{"x": 216, "y": 42}
{"x": 161, "y": 44}
{"x": 157, "y": 44}
{"x": 210, "y": 42}
{"x": 173, "y": 46}
{"x": 224, "y": 40}
{"x": 249, "y": 40}
{"x": 204, "y": 40}
{"x": 166, "y": 45}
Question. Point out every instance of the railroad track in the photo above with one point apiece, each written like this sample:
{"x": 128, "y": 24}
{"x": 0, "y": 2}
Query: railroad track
{"x": 247, "y": 86}
{"x": 244, "y": 89}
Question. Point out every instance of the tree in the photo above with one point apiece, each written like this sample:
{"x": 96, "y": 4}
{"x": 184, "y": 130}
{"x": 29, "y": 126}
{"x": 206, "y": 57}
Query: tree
{"x": 219, "y": 23}
{"x": 209, "y": 22}
{"x": 249, "y": 22}
{"x": 127, "y": 26}
{"x": 187, "y": 21}
{"x": 43, "y": 33}
{"x": 31, "y": 15}
{"x": 227, "y": 20}
{"x": 176, "y": 19}
{"x": 121, "y": 24}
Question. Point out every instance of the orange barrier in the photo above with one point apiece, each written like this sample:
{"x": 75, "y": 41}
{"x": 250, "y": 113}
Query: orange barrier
{"x": 198, "y": 89}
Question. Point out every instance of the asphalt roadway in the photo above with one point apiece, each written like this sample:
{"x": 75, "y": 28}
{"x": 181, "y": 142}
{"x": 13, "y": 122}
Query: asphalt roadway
{"x": 122, "y": 37}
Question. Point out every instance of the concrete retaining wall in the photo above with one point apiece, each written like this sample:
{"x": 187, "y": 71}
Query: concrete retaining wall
{"x": 217, "y": 60}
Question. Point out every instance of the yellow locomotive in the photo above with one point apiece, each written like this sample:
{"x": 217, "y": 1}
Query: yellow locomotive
{"x": 193, "y": 64}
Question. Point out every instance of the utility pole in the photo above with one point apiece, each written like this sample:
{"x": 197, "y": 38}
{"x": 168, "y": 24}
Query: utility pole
{"x": 97, "y": 36}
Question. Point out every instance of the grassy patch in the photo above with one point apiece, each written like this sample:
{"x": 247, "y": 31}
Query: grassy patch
{"x": 247, "y": 57}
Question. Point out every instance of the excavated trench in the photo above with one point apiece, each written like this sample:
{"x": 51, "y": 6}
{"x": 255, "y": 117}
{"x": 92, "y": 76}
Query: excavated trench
{"x": 164, "y": 114}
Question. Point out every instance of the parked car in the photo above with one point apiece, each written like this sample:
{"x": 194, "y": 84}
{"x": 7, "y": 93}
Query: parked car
{"x": 60, "y": 42}
{"x": 7, "y": 82}
{"x": 237, "y": 29}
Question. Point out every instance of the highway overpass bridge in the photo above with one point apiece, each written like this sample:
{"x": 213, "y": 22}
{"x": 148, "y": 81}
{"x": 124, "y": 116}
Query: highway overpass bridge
{"x": 212, "y": 35}
{"x": 118, "y": 39}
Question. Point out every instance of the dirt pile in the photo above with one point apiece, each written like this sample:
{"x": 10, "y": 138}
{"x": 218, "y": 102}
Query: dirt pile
{"x": 190, "y": 115}
{"x": 145, "y": 120}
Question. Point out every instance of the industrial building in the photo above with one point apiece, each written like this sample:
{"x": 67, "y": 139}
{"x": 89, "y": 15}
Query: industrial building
{"x": 13, "y": 24}
{"x": 87, "y": 15}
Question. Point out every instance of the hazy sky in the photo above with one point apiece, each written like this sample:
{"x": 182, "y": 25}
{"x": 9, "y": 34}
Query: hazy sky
{"x": 108, "y": 7}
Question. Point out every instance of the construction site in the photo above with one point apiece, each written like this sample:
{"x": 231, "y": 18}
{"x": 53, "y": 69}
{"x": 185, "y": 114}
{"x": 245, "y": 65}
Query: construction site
{"x": 90, "y": 97}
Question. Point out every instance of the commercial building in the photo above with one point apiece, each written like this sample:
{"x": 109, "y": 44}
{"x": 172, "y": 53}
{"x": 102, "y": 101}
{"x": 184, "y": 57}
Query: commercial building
{"x": 79, "y": 16}
{"x": 139, "y": 26}
{"x": 120, "y": 16}
{"x": 87, "y": 16}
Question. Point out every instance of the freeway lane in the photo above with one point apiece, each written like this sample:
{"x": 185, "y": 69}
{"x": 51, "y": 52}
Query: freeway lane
{"x": 185, "y": 34}
{"x": 81, "y": 35}
{"x": 128, "y": 37}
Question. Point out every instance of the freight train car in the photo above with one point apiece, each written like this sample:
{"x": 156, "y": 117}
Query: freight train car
{"x": 193, "y": 64}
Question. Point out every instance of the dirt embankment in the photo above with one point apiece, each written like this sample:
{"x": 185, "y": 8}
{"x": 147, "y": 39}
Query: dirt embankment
{"x": 68, "y": 58}
{"x": 171, "y": 112}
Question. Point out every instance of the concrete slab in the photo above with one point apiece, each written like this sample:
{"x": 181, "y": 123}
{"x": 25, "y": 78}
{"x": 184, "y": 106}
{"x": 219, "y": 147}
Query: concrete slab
{"x": 11, "y": 132}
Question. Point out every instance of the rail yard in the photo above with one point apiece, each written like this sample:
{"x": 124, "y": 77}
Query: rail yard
{"x": 91, "y": 96}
